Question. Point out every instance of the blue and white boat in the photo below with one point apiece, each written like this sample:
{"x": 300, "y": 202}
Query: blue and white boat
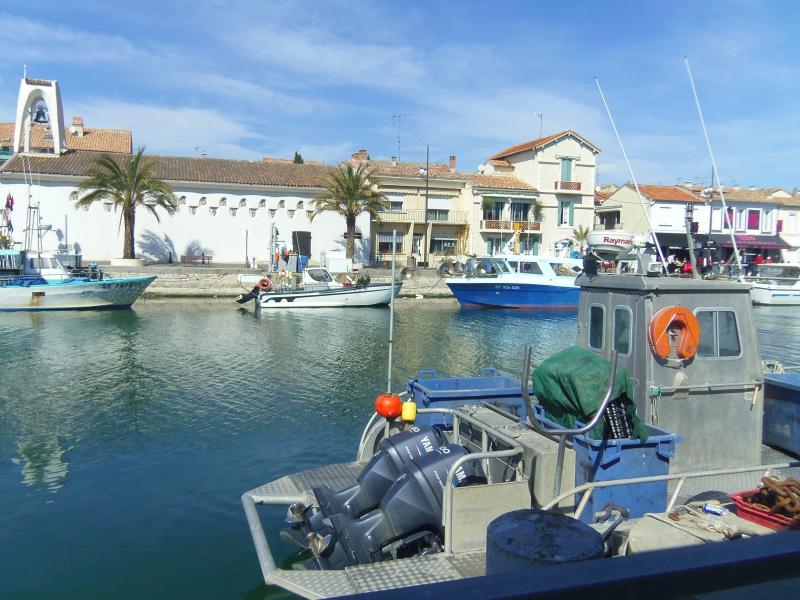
{"x": 38, "y": 282}
{"x": 519, "y": 281}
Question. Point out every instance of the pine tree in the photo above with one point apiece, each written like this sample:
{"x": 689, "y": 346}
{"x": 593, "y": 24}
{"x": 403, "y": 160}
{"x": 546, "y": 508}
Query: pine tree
{"x": 298, "y": 159}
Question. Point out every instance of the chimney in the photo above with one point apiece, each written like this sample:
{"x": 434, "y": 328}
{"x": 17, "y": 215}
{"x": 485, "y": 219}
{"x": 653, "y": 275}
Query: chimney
{"x": 361, "y": 156}
{"x": 77, "y": 126}
{"x": 452, "y": 163}
{"x": 394, "y": 160}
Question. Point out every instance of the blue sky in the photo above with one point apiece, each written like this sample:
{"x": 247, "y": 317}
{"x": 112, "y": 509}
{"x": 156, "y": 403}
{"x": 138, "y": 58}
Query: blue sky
{"x": 253, "y": 79}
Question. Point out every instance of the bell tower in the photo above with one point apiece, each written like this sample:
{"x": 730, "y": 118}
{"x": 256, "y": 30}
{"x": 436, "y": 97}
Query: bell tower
{"x": 39, "y": 103}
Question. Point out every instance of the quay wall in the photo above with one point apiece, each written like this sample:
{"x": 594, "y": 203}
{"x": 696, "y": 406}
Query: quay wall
{"x": 221, "y": 282}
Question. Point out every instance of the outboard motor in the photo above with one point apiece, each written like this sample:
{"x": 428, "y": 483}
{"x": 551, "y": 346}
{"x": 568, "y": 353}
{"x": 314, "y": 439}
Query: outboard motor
{"x": 251, "y": 295}
{"x": 411, "y": 511}
{"x": 381, "y": 472}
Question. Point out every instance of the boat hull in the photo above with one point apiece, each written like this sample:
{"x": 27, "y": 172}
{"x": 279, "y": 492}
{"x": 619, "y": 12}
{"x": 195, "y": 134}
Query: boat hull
{"x": 119, "y": 292}
{"x": 472, "y": 292}
{"x": 775, "y": 294}
{"x": 373, "y": 295}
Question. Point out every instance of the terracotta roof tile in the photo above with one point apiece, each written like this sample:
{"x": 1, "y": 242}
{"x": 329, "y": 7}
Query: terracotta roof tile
{"x": 99, "y": 140}
{"x": 667, "y": 193}
{"x": 400, "y": 169}
{"x": 750, "y": 195}
{"x": 500, "y": 182}
{"x": 178, "y": 168}
{"x": 499, "y": 163}
{"x": 538, "y": 143}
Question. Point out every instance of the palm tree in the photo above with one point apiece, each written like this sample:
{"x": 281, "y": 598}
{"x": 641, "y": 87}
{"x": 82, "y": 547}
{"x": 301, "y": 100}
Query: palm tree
{"x": 127, "y": 183}
{"x": 349, "y": 193}
{"x": 581, "y": 234}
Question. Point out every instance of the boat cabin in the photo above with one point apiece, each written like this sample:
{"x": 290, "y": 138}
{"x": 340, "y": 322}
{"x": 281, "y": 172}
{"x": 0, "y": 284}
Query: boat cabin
{"x": 708, "y": 390}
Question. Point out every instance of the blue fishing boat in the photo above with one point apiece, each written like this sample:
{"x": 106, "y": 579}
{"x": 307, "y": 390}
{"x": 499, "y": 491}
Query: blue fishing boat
{"x": 519, "y": 281}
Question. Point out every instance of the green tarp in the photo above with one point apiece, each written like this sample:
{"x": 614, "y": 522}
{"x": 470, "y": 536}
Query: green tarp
{"x": 571, "y": 385}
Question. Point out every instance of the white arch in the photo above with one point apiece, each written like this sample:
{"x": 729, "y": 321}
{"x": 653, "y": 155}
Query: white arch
{"x": 30, "y": 92}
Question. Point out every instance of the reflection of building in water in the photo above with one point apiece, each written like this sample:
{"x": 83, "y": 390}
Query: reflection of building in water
{"x": 43, "y": 460}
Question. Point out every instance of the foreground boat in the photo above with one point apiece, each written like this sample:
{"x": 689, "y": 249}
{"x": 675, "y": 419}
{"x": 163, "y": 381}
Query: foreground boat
{"x": 519, "y": 281}
{"x": 38, "y": 282}
{"x": 487, "y": 492}
{"x": 318, "y": 290}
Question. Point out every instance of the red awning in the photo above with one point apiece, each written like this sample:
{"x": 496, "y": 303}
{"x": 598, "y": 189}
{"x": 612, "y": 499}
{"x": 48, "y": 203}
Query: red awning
{"x": 767, "y": 242}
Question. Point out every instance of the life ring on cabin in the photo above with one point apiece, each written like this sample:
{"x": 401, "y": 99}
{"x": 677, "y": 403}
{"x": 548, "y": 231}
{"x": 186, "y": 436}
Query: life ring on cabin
{"x": 674, "y": 318}
{"x": 265, "y": 284}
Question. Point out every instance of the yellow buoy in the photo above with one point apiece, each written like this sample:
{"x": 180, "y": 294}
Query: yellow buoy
{"x": 409, "y": 413}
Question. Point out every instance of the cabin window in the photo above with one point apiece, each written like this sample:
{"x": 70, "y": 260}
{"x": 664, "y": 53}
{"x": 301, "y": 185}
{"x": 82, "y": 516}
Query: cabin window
{"x": 622, "y": 330}
{"x": 597, "y": 322}
{"x": 530, "y": 267}
{"x": 719, "y": 334}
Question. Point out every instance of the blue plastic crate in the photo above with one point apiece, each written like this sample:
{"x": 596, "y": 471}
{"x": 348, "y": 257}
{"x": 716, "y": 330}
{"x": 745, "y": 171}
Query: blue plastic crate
{"x": 782, "y": 411}
{"x": 432, "y": 389}
{"x": 604, "y": 460}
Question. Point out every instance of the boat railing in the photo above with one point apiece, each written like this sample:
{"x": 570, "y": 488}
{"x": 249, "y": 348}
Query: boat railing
{"x": 586, "y": 489}
{"x": 563, "y": 434}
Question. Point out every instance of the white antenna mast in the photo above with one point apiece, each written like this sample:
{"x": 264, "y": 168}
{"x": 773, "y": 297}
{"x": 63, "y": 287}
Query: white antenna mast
{"x": 399, "y": 118}
{"x": 633, "y": 177}
{"x": 714, "y": 172}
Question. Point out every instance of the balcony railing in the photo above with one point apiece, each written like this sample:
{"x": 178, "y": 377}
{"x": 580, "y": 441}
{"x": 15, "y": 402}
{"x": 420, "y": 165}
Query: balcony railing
{"x": 501, "y": 225}
{"x": 454, "y": 217}
{"x": 568, "y": 186}
{"x": 600, "y": 225}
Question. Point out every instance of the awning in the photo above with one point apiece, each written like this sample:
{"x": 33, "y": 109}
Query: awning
{"x": 768, "y": 242}
{"x": 678, "y": 240}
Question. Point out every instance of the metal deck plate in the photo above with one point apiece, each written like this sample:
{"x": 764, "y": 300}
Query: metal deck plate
{"x": 297, "y": 487}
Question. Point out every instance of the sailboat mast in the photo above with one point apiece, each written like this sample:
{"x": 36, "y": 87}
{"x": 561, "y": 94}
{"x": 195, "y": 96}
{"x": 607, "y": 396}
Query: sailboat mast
{"x": 633, "y": 177}
{"x": 714, "y": 171}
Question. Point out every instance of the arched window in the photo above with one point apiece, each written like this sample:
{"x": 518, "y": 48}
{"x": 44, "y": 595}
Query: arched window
{"x": 262, "y": 203}
{"x": 282, "y": 204}
{"x": 223, "y": 201}
{"x": 202, "y": 200}
{"x": 242, "y": 202}
{"x": 182, "y": 200}
{"x": 300, "y": 205}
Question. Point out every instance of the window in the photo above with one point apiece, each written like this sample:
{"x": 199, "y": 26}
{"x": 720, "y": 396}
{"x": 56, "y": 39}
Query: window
{"x": 664, "y": 217}
{"x": 622, "y": 330}
{"x": 566, "y": 210}
{"x": 299, "y": 205}
{"x": 719, "y": 334}
{"x": 202, "y": 201}
{"x": 233, "y": 211}
{"x": 529, "y": 267}
{"x": 597, "y": 321}
{"x": 768, "y": 222}
{"x": 385, "y": 242}
{"x": 242, "y": 203}
{"x": 566, "y": 169}
{"x": 741, "y": 220}
{"x": 443, "y": 245}
{"x": 435, "y": 214}
{"x": 262, "y": 203}
{"x": 520, "y": 211}
{"x": 212, "y": 210}
{"x": 729, "y": 221}
{"x": 395, "y": 206}
{"x": 416, "y": 243}
{"x": 754, "y": 219}
{"x": 223, "y": 201}
{"x": 716, "y": 219}
{"x": 282, "y": 204}
{"x": 182, "y": 200}
{"x": 492, "y": 211}
{"x": 253, "y": 212}
{"x": 290, "y": 212}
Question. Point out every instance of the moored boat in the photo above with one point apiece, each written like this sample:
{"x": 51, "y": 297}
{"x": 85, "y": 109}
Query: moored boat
{"x": 318, "y": 289}
{"x": 776, "y": 283}
{"x": 426, "y": 502}
{"x": 38, "y": 282}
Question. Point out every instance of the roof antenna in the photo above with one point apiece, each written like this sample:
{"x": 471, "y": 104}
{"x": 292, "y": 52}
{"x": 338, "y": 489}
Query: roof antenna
{"x": 633, "y": 177}
{"x": 24, "y": 71}
{"x": 714, "y": 172}
{"x": 541, "y": 116}
{"x": 399, "y": 118}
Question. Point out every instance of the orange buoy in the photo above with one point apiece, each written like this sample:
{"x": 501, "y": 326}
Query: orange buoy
{"x": 265, "y": 284}
{"x": 674, "y": 321}
{"x": 389, "y": 406}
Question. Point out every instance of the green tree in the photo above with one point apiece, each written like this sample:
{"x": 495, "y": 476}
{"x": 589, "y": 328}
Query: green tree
{"x": 128, "y": 182}
{"x": 581, "y": 234}
{"x": 537, "y": 211}
{"x": 349, "y": 193}
{"x": 298, "y": 158}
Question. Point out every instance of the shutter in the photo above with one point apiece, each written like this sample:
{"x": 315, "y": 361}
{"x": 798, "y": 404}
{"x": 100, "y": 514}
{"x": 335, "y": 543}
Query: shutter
{"x": 571, "y": 213}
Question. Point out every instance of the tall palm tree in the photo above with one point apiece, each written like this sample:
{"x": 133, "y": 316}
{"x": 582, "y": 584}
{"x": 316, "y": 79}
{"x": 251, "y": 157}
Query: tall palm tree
{"x": 349, "y": 193}
{"x": 581, "y": 234}
{"x": 128, "y": 183}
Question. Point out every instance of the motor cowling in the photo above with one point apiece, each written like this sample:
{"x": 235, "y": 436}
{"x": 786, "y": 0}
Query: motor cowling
{"x": 381, "y": 472}
{"x": 251, "y": 295}
{"x": 413, "y": 504}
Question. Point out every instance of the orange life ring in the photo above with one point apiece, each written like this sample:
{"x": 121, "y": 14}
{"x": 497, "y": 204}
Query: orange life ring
{"x": 677, "y": 318}
{"x": 265, "y": 284}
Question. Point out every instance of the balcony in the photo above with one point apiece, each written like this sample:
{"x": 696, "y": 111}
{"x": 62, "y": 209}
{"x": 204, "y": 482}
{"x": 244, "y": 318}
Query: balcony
{"x": 452, "y": 217}
{"x": 567, "y": 186}
{"x": 604, "y": 226}
{"x": 501, "y": 225}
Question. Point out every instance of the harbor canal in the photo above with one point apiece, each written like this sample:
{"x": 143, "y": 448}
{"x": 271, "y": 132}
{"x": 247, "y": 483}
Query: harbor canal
{"x": 127, "y": 437}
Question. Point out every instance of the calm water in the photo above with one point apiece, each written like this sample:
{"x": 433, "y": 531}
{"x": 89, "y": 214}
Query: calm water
{"x": 127, "y": 438}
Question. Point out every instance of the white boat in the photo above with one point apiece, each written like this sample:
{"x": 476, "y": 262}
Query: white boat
{"x": 317, "y": 290}
{"x": 39, "y": 282}
{"x": 777, "y": 283}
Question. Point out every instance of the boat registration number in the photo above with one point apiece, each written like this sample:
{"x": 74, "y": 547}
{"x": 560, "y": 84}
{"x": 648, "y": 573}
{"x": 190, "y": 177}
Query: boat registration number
{"x": 506, "y": 287}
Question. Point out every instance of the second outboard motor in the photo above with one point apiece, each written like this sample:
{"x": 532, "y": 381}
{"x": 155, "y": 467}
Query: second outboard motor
{"x": 251, "y": 295}
{"x": 413, "y": 505}
{"x": 381, "y": 472}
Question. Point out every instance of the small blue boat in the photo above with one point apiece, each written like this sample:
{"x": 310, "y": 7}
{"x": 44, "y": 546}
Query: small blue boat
{"x": 519, "y": 282}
